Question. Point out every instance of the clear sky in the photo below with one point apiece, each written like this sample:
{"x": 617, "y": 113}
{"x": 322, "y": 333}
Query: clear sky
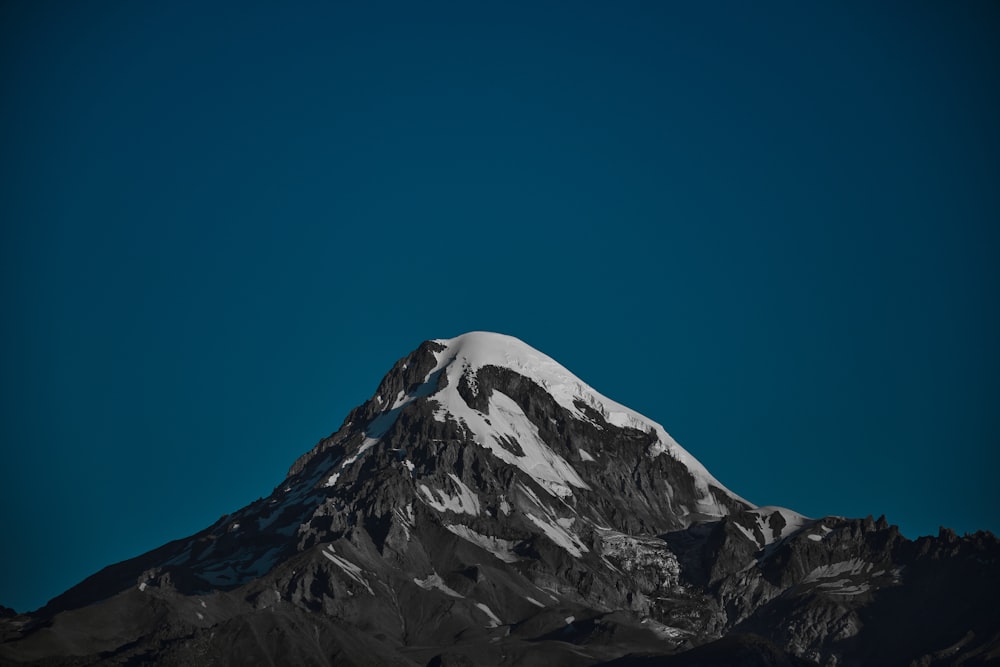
{"x": 774, "y": 229}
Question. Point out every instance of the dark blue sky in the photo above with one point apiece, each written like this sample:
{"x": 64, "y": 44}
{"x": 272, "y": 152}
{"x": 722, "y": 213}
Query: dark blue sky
{"x": 774, "y": 231}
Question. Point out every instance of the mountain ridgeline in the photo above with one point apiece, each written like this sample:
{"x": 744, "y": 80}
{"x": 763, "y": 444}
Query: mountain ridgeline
{"x": 486, "y": 507}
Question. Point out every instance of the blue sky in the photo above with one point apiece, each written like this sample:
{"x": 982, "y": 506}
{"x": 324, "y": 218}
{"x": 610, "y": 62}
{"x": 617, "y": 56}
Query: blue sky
{"x": 773, "y": 230}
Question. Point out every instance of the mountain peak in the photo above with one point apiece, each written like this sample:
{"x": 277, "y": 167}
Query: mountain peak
{"x": 487, "y": 501}
{"x": 519, "y": 407}
{"x": 485, "y": 348}
{"x": 461, "y": 358}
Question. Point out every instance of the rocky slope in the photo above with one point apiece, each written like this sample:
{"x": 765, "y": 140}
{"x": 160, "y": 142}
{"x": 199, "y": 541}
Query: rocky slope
{"x": 485, "y": 506}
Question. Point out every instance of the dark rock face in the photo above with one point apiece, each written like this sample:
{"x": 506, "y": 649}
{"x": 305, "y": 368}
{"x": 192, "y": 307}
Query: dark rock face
{"x": 408, "y": 537}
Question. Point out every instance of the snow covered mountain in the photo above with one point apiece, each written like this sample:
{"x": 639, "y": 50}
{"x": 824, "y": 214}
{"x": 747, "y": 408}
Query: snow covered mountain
{"x": 486, "y": 506}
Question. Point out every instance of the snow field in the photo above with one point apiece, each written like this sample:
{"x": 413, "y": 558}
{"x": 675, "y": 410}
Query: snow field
{"x": 466, "y": 502}
{"x": 467, "y": 353}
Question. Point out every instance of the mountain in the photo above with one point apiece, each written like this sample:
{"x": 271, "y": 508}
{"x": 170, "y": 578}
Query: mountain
{"x": 487, "y": 507}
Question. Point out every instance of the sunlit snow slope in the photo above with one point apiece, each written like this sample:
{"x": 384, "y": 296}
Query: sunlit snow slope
{"x": 466, "y": 354}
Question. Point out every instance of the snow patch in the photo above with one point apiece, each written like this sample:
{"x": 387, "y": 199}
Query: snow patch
{"x": 585, "y": 456}
{"x": 853, "y": 566}
{"x": 555, "y": 528}
{"x": 434, "y": 581}
{"x": 495, "y": 622}
{"x": 366, "y": 444}
{"x": 406, "y": 519}
{"x": 466, "y": 502}
{"x": 765, "y": 534}
{"x": 819, "y": 537}
{"x": 850, "y": 577}
{"x": 352, "y": 570}
{"x": 559, "y": 535}
{"x": 502, "y": 549}
{"x": 566, "y": 522}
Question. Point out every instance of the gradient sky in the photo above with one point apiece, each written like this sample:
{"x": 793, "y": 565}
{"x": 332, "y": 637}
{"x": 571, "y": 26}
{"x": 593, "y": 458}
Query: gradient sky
{"x": 773, "y": 230}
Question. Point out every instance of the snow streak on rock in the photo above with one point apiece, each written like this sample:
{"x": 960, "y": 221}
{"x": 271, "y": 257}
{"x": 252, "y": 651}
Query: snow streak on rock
{"x": 465, "y": 502}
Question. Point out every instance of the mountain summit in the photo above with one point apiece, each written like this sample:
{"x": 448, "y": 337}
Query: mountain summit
{"x": 486, "y": 506}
